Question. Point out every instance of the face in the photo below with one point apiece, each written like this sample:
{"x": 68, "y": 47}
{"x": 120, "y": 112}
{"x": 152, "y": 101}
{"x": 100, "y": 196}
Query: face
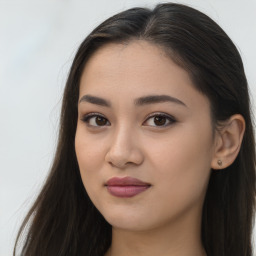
{"x": 144, "y": 139}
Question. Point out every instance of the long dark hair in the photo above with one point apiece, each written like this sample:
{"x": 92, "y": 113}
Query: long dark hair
{"x": 63, "y": 220}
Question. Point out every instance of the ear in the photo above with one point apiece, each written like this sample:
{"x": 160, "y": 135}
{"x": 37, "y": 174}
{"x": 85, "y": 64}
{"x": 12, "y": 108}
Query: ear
{"x": 228, "y": 140}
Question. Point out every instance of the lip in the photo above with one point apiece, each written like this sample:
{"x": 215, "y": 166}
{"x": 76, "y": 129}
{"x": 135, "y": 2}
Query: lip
{"x": 126, "y": 187}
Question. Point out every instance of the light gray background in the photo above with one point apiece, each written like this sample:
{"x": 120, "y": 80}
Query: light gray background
{"x": 38, "y": 40}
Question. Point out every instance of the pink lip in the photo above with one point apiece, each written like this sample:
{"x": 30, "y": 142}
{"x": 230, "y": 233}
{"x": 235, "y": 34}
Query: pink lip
{"x": 126, "y": 187}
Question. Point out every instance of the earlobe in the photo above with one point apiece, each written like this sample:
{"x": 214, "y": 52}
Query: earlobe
{"x": 228, "y": 140}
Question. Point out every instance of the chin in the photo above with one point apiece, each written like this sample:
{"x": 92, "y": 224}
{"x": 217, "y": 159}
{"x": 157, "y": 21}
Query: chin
{"x": 130, "y": 222}
{"x": 129, "y": 225}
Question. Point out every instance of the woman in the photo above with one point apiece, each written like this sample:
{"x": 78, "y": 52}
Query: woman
{"x": 156, "y": 152}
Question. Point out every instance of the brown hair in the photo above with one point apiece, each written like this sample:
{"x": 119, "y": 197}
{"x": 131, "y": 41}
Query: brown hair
{"x": 63, "y": 220}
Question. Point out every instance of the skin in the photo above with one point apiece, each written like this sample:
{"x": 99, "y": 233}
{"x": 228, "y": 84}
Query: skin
{"x": 176, "y": 158}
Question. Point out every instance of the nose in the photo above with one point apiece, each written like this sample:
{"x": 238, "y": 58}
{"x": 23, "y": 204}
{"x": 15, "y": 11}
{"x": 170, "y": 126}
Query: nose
{"x": 124, "y": 149}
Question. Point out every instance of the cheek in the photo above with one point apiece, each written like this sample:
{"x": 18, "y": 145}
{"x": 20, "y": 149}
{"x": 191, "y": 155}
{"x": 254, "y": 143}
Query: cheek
{"x": 182, "y": 147}
{"x": 183, "y": 165}
{"x": 89, "y": 155}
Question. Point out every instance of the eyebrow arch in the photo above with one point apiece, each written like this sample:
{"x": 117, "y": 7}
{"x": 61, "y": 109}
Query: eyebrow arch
{"x": 151, "y": 99}
{"x": 145, "y": 100}
{"x": 95, "y": 100}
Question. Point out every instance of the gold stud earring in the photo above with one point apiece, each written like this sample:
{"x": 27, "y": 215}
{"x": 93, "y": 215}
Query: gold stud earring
{"x": 219, "y": 162}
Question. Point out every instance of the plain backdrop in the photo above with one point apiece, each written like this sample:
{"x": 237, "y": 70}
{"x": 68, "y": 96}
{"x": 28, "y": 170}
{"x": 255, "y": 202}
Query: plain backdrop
{"x": 38, "y": 40}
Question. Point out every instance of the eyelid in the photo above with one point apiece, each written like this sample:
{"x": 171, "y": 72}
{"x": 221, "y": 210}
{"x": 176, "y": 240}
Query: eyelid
{"x": 86, "y": 117}
{"x": 171, "y": 118}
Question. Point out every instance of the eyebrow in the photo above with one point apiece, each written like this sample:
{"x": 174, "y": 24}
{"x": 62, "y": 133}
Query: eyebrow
{"x": 151, "y": 99}
{"x": 145, "y": 100}
{"x": 95, "y": 100}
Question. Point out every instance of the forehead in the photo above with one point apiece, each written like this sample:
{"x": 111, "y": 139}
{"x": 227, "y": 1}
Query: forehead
{"x": 137, "y": 55}
{"x": 136, "y": 69}
{"x": 129, "y": 52}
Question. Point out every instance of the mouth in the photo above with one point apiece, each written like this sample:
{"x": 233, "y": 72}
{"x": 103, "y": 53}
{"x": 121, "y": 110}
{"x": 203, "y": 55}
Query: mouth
{"x": 126, "y": 187}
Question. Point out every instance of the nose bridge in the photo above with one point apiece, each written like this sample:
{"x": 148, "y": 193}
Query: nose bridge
{"x": 124, "y": 146}
{"x": 123, "y": 137}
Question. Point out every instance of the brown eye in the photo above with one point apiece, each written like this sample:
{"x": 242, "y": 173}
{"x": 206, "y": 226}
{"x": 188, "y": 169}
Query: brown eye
{"x": 160, "y": 120}
{"x": 95, "y": 120}
{"x": 100, "y": 120}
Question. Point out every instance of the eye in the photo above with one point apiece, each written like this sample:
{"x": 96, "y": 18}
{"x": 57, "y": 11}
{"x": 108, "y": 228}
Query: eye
{"x": 160, "y": 119}
{"x": 94, "y": 119}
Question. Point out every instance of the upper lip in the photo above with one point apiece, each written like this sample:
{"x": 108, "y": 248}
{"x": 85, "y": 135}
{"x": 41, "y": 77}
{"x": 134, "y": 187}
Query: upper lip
{"x": 126, "y": 181}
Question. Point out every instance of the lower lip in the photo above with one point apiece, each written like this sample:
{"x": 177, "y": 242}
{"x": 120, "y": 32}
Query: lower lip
{"x": 126, "y": 191}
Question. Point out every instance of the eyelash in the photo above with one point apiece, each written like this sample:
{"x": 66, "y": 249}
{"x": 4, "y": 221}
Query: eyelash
{"x": 169, "y": 118}
{"x": 86, "y": 118}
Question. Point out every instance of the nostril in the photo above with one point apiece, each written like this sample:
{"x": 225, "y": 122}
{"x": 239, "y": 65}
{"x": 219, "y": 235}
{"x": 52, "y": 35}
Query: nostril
{"x": 118, "y": 164}
{"x": 122, "y": 156}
